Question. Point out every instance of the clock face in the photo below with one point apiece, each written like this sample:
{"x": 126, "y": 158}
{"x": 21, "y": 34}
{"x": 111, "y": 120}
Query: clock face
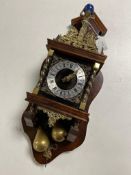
{"x": 66, "y": 79}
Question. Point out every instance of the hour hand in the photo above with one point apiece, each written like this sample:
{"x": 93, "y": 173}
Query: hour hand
{"x": 69, "y": 77}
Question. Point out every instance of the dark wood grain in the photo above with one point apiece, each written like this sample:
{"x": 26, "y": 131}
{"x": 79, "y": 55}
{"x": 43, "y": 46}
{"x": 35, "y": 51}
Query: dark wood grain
{"x": 57, "y": 106}
{"x": 76, "y": 52}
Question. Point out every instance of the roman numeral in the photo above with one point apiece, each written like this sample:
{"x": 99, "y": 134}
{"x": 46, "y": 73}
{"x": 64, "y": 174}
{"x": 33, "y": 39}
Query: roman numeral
{"x": 71, "y": 65}
{"x": 80, "y": 84}
{"x": 51, "y": 81}
{"x": 75, "y": 90}
{"x": 55, "y": 88}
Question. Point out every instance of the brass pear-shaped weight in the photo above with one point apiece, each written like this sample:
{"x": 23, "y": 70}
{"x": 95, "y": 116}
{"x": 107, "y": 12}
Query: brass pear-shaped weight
{"x": 41, "y": 142}
{"x": 58, "y": 133}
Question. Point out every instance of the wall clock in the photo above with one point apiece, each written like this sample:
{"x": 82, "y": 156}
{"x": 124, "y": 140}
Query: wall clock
{"x": 70, "y": 78}
{"x": 66, "y": 80}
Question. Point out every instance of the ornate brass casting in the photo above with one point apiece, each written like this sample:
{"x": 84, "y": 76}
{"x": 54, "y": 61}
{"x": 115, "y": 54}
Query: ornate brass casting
{"x": 53, "y": 116}
{"x": 85, "y": 38}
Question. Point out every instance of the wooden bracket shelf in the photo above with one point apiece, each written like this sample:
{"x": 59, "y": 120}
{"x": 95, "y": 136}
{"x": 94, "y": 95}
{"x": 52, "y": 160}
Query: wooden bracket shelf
{"x": 57, "y": 107}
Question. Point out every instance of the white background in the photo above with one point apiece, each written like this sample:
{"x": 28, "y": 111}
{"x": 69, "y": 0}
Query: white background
{"x": 25, "y": 26}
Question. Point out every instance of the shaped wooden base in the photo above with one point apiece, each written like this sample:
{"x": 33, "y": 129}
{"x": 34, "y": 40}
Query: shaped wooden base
{"x": 66, "y": 145}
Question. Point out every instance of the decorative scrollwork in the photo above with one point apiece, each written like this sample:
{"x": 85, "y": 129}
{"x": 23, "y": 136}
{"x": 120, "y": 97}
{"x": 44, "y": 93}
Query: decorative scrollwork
{"x": 85, "y": 38}
{"x": 53, "y": 116}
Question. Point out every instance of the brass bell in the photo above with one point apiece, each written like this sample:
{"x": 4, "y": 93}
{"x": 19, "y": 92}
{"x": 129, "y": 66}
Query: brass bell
{"x": 58, "y": 133}
{"x": 41, "y": 142}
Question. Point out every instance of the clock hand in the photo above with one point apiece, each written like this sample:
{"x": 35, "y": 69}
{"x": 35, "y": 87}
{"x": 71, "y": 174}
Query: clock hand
{"x": 69, "y": 77}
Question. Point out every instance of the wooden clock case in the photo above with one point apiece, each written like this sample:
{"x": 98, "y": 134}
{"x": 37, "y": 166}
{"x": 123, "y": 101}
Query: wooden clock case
{"x": 81, "y": 116}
